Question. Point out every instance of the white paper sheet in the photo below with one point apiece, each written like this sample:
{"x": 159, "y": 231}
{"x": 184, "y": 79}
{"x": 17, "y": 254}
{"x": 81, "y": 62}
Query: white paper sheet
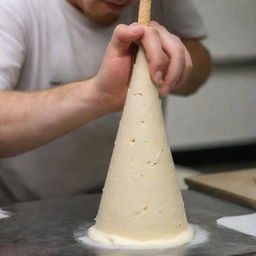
{"x": 4, "y": 214}
{"x": 244, "y": 223}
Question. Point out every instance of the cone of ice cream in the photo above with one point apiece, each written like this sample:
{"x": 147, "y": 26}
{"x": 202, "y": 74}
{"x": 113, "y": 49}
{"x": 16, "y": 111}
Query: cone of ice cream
{"x": 141, "y": 205}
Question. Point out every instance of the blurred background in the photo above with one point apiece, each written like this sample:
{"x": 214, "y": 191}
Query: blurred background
{"x": 215, "y": 129}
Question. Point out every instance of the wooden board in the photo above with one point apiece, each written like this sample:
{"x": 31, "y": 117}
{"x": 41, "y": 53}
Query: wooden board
{"x": 238, "y": 186}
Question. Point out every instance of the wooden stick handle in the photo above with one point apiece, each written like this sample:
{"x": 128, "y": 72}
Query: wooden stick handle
{"x": 144, "y": 12}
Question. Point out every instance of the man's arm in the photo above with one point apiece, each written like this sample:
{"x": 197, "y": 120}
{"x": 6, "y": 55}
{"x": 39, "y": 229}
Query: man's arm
{"x": 31, "y": 119}
{"x": 201, "y": 67}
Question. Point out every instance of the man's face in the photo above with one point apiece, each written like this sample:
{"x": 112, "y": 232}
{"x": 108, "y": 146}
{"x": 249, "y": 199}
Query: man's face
{"x": 102, "y": 12}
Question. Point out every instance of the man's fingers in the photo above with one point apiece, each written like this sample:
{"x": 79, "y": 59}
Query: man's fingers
{"x": 176, "y": 64}
{"x": 180, "y": 64}
{"x": 122, "y": 39}
{"x": 169, "y": 61}
{"x": 178, "y": 73}
{"x": 158, "y": 61}
{"x": 187, "y": 69}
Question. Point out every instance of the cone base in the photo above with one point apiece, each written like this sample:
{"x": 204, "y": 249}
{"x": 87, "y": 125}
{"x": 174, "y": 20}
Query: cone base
{"x": 113, "y": 240}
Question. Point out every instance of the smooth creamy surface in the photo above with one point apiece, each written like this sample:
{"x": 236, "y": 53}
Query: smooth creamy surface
{"x": 108, "y": 239}
{"x": 142, "y": 203}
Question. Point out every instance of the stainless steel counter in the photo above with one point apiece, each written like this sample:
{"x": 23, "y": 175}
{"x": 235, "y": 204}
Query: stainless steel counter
{"x": 46, "y": 228}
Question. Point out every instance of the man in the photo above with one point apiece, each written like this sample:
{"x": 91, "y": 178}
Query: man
{"x": 62, "y": 78}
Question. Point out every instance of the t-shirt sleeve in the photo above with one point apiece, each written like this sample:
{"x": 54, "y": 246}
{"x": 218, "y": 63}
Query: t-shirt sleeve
{"x": 181, "y": 18}
{"x": 12, "y": 46}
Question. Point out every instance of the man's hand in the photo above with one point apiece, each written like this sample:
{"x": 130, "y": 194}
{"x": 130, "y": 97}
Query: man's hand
{"x": 169, "y": 63}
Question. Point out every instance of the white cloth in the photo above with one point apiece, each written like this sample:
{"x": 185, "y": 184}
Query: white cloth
{"x": 243, "y": 223}
{"x": 45, "y": 43}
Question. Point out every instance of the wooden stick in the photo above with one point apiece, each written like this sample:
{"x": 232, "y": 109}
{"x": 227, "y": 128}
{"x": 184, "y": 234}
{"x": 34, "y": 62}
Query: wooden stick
{"x": 145, "y": 12}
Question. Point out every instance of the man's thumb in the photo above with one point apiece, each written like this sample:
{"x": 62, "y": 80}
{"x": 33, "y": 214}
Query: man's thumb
{"x": 123, "y": 37}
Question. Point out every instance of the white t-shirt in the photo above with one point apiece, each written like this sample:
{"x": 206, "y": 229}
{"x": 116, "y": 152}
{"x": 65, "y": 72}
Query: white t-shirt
{"x": 45, "y": 43}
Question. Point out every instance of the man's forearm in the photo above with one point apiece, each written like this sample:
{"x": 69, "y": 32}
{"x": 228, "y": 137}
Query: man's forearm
{"x": 31, "y": 119}
{"x": 201, "y": 68}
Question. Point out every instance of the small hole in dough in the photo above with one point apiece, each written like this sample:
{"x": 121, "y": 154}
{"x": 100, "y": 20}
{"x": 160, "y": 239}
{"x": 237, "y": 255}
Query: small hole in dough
{"x": 145, "y": 208}
{"x": 133, "y": 141}
{"x": 136, "y": 214}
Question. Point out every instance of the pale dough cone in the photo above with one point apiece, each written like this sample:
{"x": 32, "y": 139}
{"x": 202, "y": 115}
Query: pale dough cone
{"x": 141, "y": 205}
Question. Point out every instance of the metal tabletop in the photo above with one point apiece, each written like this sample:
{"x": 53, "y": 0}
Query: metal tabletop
{"x": 47, "y": 228}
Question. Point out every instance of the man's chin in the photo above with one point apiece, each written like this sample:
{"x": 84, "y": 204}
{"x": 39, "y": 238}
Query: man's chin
{"x": 103, "y": 21}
